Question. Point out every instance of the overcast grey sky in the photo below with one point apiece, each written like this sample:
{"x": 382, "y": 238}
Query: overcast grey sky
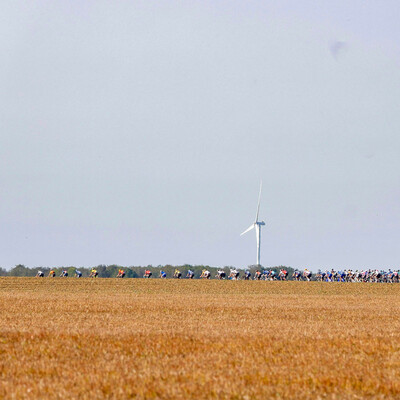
{"x": 137, "y": 132}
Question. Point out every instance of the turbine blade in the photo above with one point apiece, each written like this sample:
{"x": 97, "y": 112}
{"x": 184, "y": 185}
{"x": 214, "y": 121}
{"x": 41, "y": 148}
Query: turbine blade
{"x": 258, "y": 206}
{"x": 248, "y": 229}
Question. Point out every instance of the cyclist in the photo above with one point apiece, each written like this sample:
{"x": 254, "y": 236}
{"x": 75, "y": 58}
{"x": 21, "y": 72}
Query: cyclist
{"x": 221, "y": 274}
{"x": 190, "y": 274}
{"x": 147, "y": 274}
{"x": 257, "y": 275}
{"x": 121, "y": 273}
{"x": 247, "y": 275}
{"x": 93, "y": 273}
{"x": 177, "y": 274}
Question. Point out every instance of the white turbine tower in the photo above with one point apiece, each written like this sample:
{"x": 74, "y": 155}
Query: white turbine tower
{"x": 257, "y": 224}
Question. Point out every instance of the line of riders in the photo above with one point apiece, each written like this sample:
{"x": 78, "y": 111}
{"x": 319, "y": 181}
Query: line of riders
{"x": 78, "y": 274}
{"x": 221, "y": 274}
{"x": 205, "y": 274}
{"x": 370, "y": 275}
{"x": 266, "y": 275}
{"x": 305, "y": 275}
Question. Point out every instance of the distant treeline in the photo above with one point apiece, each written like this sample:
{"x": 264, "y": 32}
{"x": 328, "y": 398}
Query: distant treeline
{"x": 111, "y": 271}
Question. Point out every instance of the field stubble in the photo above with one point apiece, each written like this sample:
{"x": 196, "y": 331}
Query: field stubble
{"x": 109, "y": 338}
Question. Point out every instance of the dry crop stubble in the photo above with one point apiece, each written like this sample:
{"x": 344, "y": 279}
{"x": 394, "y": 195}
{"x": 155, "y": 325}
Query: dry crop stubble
{"x": 136, "y": 338}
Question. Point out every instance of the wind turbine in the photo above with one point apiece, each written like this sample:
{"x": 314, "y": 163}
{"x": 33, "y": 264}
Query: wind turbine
{"x": 257, "y": 225}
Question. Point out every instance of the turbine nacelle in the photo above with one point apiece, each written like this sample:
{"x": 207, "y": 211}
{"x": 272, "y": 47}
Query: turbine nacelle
{"x": 252, "y": 226}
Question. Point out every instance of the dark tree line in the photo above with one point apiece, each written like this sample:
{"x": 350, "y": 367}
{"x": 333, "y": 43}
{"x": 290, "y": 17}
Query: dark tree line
{"x": 111, "y": 271}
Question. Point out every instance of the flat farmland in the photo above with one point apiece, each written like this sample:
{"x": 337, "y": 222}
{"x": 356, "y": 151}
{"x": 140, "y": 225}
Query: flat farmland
{"x": 134, "y": 338}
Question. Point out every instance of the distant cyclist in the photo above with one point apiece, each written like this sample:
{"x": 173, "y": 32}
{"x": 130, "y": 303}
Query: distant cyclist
{"x": 147, "y": 274}
{"x": 177, "y": 274}
{"x": 296, "y": 275}
{"x": 64, "y": 273}
{"x": 257, "y": 275}
{"x": 221, "y": 274}
{"x": 307, "y": 274}
{"x": 78, "y": 274}
{"x": 163, "y": 274}
{"x": 40, "y": 274}
{"x": 190, "y": 274}
{"x": 121, "y": 273}
{"x": 93, "y": 273}
{"x": 205, "y": 274}
{"x": 247, "y": 275}
{"x": 283, "y": 274}
{"x": 234, "y": 275}
{"x": 52, "y": 274}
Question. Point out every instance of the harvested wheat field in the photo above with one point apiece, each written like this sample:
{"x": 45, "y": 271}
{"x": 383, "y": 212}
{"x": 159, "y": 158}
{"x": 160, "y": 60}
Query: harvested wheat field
{"x": 169, "y": 339}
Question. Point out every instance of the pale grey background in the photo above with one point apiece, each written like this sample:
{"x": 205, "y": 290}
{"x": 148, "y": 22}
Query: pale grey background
{"x": 136, "y": 132}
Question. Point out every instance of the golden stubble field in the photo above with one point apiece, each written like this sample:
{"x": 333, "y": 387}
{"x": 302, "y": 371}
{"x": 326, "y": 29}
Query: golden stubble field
{"x": 168, "y": 339}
